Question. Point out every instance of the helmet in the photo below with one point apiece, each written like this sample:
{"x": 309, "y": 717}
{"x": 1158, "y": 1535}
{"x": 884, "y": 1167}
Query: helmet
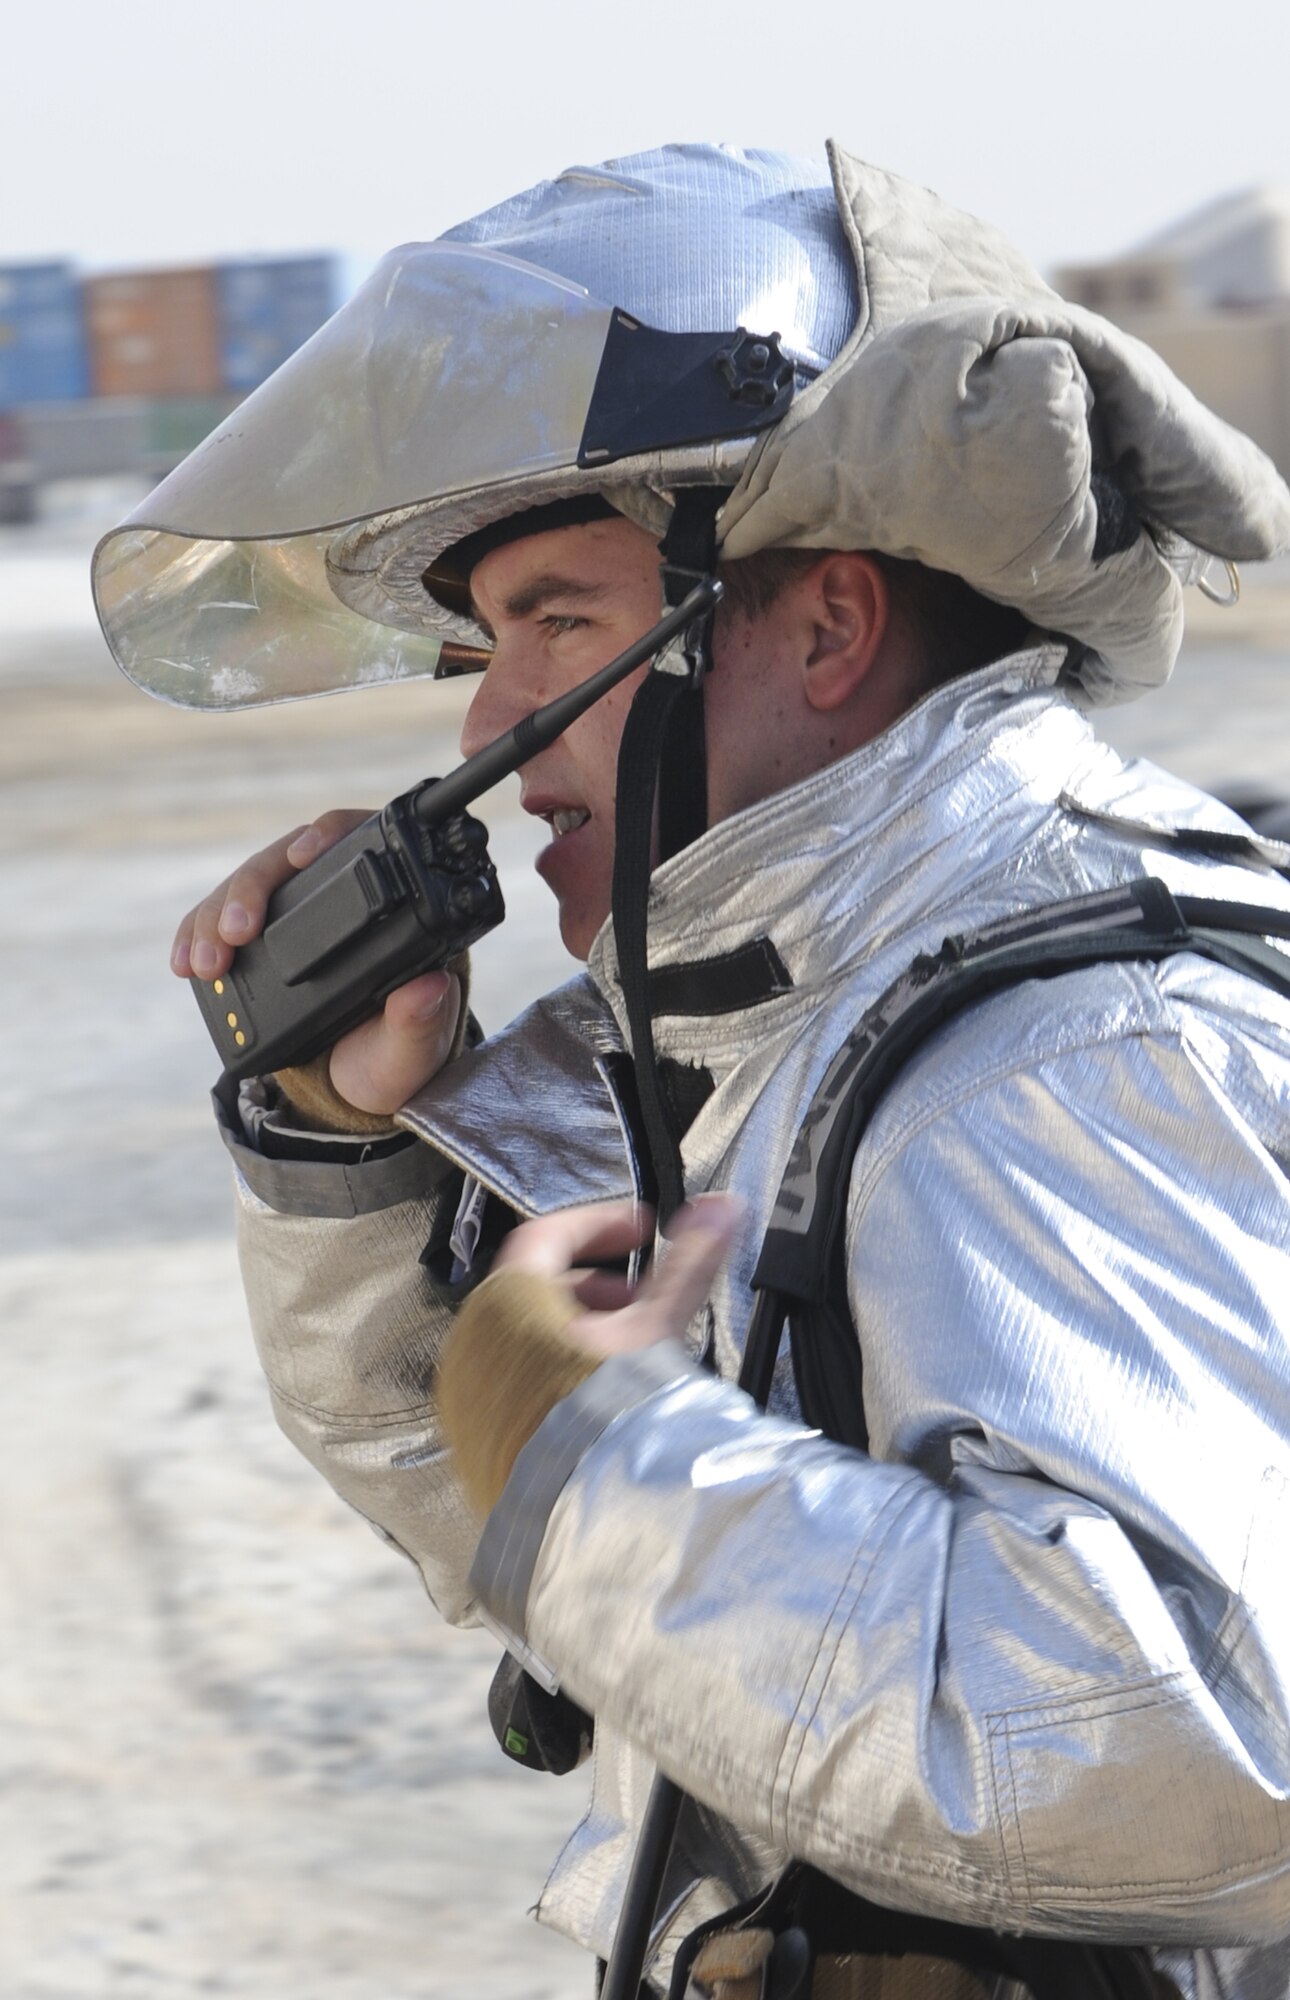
{"x": 608, "y": 333}
{"x": 607, "y": 336}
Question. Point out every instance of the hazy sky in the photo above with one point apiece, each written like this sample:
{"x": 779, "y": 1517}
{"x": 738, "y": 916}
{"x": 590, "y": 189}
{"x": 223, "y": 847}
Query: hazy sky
{"x": 141, "y": 132}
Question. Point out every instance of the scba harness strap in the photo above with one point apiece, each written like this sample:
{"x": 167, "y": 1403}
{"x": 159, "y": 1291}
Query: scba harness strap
{"x": 800, "y": 1273}
{"x": 800, "y": 1280}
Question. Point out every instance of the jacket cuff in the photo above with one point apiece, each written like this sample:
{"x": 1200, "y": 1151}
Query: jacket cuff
{"x": 321, "y": 1174}
{"x": 515, "y": 1530}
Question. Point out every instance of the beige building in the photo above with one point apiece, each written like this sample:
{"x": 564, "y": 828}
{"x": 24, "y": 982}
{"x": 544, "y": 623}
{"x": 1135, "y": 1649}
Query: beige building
{"x": 1212, "y": 295}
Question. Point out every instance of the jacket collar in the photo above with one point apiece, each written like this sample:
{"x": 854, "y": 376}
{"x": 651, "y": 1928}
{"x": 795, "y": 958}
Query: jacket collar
{"x": 750, "y": 921}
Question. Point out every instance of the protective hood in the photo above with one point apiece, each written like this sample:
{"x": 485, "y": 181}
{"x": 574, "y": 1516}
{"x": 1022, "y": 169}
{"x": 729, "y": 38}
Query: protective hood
{"x": 977, "y": 423}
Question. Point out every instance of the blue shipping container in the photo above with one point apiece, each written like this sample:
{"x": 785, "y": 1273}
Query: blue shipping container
{"x": 267, "y": 309}
{"x": 42, "y": 336}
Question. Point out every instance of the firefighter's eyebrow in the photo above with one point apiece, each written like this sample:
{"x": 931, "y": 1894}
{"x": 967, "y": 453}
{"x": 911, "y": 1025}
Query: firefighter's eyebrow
{"x": 540, "y": 590}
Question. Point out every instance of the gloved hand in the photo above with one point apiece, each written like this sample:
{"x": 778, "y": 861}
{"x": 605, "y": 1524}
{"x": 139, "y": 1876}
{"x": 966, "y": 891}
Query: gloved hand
{"x": 422, "y": 1024}
{"x": 541, "y": 1322}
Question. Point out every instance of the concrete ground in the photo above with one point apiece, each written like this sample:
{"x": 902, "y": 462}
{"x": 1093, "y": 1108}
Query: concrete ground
{"x": 238, "y": 1753}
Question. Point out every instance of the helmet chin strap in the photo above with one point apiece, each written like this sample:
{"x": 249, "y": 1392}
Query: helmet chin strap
{"x": 663, "y": 755}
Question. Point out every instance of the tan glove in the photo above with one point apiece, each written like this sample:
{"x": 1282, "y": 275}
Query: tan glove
{"x": 505, "y": 1367}
{"x": 508, "y": 1361}
{"x": 316, "y": 1104}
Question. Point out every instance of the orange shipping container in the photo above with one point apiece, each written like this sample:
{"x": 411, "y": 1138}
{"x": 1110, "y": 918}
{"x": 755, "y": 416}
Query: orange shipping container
{"x": 153, "y": 333}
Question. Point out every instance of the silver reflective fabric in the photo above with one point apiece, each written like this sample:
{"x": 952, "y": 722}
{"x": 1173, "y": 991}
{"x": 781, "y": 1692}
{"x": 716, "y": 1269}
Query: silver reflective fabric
{"x": 349, "y": 1350}
{"x": 284, "y": 557}
{"x": 1028, "y": 1663}
{"x": 692, "y": 238}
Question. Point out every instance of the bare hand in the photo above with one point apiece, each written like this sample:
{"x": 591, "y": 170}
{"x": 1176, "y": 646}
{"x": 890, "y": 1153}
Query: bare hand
{"x": 233, "y": 913}
{"x": 383, "y": 1062}
{"x": 618, "y": 1318}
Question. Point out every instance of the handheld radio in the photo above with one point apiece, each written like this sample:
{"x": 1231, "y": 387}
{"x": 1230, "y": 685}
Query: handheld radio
{"x": 404, "y": 893}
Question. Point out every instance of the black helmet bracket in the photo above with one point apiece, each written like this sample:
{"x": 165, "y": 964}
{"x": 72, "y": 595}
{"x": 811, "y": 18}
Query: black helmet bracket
{"x": 656, "y": 390}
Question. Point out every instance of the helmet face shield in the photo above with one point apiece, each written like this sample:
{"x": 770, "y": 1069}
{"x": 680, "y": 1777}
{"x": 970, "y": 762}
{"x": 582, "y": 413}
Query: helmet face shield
{"x": 452, "y": 369}
{"x": 219, "y": 624}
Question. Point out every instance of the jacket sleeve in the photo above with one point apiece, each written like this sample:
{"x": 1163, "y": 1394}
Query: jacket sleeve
{"x": 349, "y": 1321}
{"x": 1028, "y": 1663}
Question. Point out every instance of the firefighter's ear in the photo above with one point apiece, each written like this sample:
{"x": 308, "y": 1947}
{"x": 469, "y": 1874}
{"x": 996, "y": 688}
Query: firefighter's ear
{"x": 850, "y": 608}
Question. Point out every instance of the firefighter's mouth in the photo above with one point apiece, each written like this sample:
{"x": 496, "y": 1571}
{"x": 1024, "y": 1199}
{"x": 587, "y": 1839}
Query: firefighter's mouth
{"x": 567, "y": 819}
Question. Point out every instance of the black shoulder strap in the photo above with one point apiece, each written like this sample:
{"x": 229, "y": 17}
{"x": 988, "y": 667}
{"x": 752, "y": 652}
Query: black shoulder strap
{"x": 796, "y": 1274}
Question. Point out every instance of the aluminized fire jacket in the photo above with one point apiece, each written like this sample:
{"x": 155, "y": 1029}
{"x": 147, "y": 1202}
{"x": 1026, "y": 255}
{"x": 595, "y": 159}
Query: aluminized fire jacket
{"x": 1027, "y": 1663}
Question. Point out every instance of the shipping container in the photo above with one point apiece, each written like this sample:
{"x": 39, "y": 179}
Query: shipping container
{"x": 42, "y": 335}
{"x": 268, "y": 307}
{"x": 18, "y": 484}
{"x": 102, "y": 436}
{"x": 92, "y": 439}
{"x": 154, "y": 333}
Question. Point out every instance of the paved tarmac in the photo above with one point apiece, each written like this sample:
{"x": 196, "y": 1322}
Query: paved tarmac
{"x": 238, "y": 1752}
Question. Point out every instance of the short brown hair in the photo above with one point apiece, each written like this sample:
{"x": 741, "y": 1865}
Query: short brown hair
{"x": 957, "y": 629}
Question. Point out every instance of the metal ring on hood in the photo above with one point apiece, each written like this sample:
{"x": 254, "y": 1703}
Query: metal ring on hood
{"x": 1231, "y": 595}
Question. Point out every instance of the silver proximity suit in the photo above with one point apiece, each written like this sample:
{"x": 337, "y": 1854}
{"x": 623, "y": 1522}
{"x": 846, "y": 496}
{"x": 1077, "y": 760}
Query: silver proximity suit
{"x": 1027, "y": 1663}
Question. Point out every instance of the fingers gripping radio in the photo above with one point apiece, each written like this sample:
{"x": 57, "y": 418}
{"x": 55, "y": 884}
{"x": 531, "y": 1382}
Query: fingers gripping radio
{"x": 396, "y": 897}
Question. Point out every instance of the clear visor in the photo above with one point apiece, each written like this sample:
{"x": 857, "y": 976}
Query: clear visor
{"x": 453, "y": 369}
